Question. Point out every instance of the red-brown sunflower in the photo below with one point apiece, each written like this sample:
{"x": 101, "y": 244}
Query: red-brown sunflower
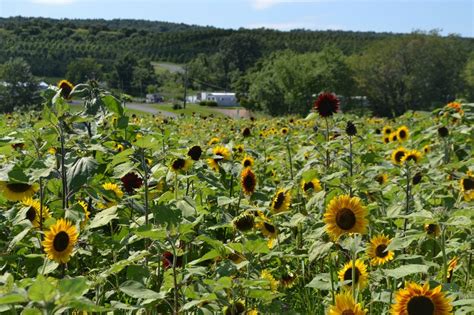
{"x": 327, "y": 104}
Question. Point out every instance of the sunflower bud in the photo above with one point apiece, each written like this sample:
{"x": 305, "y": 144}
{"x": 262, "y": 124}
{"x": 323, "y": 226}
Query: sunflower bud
{"x": 351, "y": 129}
{"x": 443, "y": 132}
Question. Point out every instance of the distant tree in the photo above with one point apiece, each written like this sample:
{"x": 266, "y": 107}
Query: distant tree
{"x": 81, "y": 70}
{"x": 468, "y": 76}
{"x": 143, "y": 76}
{"x": 18, "y": 87}
{"x": 122, "y": 74}
{"x": 287, "y": 82}
{"x": 414, "y": 72}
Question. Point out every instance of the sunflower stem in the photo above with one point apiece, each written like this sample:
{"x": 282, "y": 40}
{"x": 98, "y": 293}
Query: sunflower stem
{"x": 145, "y": 183}
{"x": 289, "y": 157}
{"x": 350, "y": 165}
{"x": 331, "y": 270}
{"x": 407, "y": 197}
{"x": 63, "y": 168}
{"x": 175, "y": 283}
{"x": 354, "y": 257}
{"x": 327, "y": 143}
{"x": 41, "y": 204}
{"x": 443, "y": 250}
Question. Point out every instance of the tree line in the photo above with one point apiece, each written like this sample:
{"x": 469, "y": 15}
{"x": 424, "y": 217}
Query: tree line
{"x": 277, "y": 72}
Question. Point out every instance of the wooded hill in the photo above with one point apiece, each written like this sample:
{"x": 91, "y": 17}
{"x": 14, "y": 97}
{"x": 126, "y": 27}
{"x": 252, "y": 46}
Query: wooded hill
{"x": 49, "y": 45}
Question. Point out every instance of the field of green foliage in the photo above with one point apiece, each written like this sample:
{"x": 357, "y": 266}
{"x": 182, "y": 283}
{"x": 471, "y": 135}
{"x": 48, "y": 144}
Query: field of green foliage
{"x": 106, "y": 212}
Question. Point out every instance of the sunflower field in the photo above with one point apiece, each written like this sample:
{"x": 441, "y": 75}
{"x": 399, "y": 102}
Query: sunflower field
{"x": 106, "y": 212}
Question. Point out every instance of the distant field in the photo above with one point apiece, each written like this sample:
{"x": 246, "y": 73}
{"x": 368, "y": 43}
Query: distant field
{"x": 189, "y": 110}
{"x": 161, "y": 67}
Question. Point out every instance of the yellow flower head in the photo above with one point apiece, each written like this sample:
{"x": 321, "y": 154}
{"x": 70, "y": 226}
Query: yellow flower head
{"x": 345, "y": 304}
{"x": 59, "y": 241}
{"x": 361, "y": 278}
{"x": 403, "y": 133}
{"x": 17, "y": 191}
{"x": 281, "y": 201}
{"x": 467, "y": 186}
{"x": 34, "y": 211}
{"x": 248, "y": 181}
{"x": 398, "y": 154}
{"x": 247, "y": 161}
{"x": 415, "y": 299}
{"x": 377, "y": 250}
{"x": 413, "y": 155}
{"x": 311, "y": 186}
{"x": 345, "y": 214}
{"x": 272, "y": 282}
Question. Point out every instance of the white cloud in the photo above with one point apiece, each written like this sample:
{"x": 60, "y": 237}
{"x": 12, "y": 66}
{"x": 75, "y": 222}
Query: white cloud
{"x": 265, "y": 4}
{"x": 287, "y": 26}
{"x": 53, "y": 2}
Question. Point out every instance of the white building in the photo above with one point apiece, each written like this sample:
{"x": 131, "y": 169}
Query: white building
{"x": 221, "y": 98}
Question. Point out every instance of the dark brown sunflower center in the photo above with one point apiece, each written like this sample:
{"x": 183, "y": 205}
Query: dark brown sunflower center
{"x": 61, "y": 241}
{"x": 178, "y": 164}
{"x": 431, "y": 229}
{"x": 269, "y": 227}
{"x": 249, "y": 182}
{"x": 348, "y": 275}
{"x": 31, "y": 214}
{"x": 380, "y": 251}
{"x": 411, "y": 157}
{"x": 247, "y": 163}
{"x": 307, "y": 186}
{"x": 388, "y": 131}
{"x": 386, "y": 140}
{"x": 399, "y": 155}
{"x": 280, "y": 198}
{"x": 468, "y": 183}
{"x": 348, "y": 312}
{"x": 420, "y": 305}
{"x": 345, "y": 219}
{"x": 195, "y": 152}
{"x": 245, "y": 222}
{"x": 402, "y": 134}
{"x": 327, "y": 107}
{"x": 18, "y": 187}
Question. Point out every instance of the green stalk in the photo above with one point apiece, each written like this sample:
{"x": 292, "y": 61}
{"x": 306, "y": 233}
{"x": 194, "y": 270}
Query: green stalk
{"x": 443, "y": 250}
{"x": 354, "y": 256}
{"x": 350, "y": 165}
{"x": 289, "y": 158}
{"x": 407, "y": 196}
{"x": 327, "y": 142}
{"x": 331, "y": 268}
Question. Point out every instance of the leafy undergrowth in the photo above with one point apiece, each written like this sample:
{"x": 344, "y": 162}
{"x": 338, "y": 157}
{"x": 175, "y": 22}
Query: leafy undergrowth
{"x": 207, "y": 215}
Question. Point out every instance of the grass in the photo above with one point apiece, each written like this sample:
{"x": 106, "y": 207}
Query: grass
{"x": 162, "y": 67}
{"x": 189, "y": 110}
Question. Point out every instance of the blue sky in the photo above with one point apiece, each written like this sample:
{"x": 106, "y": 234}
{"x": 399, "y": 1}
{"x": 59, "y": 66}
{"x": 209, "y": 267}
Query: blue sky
{"x": 400, "y": 16}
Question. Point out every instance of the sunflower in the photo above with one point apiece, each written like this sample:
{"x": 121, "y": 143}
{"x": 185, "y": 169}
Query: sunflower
{"x": 288, "y": 279}
{"x": 33, "y": 214}
{"x": 239, "y": 148}
{"x": 281, "y": 201}
{"x": 345, "y": 305}
{"x": 131, "y": 181}
{"x": 377, "y": 250}
{"x": 222, "y": 153}
{"x": 415, "y": 299}
{"x": 403, "y": 133}
{"x": 345, "y": 214}
{"x": 180, "y": 165}
{"x": 382, "y": 178}
{"x": 393, "y": 136}
{"x": 87, "y": 214}
{"x": 248, "y": 181}
{"x": 443, "y": 132}
{"x": 326, "y": 104}
{"x": 432, "y": 229}
{"x": 351, "y": 129}
{"x": 451, "y": 266}
{"x": 52, "y": 150}
{"x": 427, "y": 149}
{"x": 17, "y": 191}
{"x": 66, "y": 88}
{"x": 361, "y": 278}
{"x": 119, "y": 147}
{"x": 267, "y": 275}
{"x": 417, "y": 178}
{"x": 284, "y": 131}
{"x": 236, "y": 257}
{"x": 235, "y": 308}
{"x": 246, "y": 132}
{"x": 117, "y": 192}
{"x": 247, "y": 161}
{"x": 214, "y": 141}
{"x": 195, "y": 152}
{"x": 456, "y": 107}
{"x": 467, "y": 186}
{"x": 167, "y": 260}
{"x": 398, "y": 154}
{"x": 311, "y": 186}
{"x": 413, "y": 155}
{"x": 244, "y": 222}
{"x": 387, "y": 130}
{"x": 60, "y": 240}
{"x": 386, "y": 139}
{"x": 267, "y": 228}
